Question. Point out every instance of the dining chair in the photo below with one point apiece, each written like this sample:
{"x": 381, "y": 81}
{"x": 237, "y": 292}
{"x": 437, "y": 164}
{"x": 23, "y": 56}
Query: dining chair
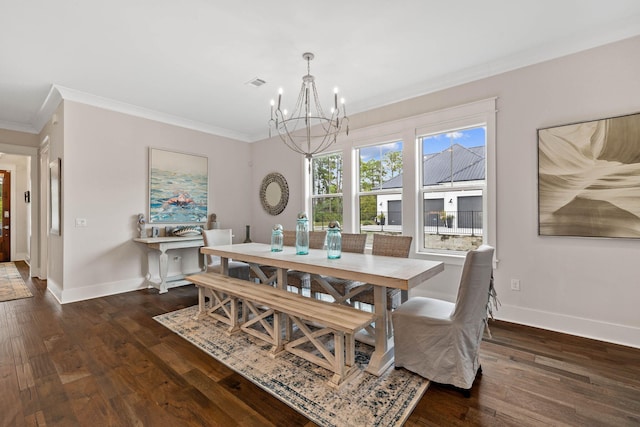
{"x": 298, "y": 279}
{"x": 338, "y": 288}
{"x": 393, "y": 246}
{"x": 440, "y": 340}
{"x": 384, "y": 245}
{"x": 269, "y": 273}
{"x": 219, "y": 237}
{"x": 295, "y": 279}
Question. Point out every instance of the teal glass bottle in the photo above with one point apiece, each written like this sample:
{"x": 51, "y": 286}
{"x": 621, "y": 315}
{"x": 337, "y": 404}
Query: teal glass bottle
{"x": 334, "y": 240}
{"x": 302, "y": 234}
{"x": 277, "y": 238}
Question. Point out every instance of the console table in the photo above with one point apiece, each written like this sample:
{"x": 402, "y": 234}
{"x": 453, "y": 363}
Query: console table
{"x": 162, "y": 245}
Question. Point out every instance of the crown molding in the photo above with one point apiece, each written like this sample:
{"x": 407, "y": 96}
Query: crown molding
{"x": 59, "y": 93}
{"x": 18, "y": 127}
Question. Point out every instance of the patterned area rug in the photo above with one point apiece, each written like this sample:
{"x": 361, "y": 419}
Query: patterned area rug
{"x": 367, "y": 400}
{"x": 11, "y": 284}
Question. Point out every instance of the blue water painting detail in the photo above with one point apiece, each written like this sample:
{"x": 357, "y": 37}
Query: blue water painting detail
{"x": 178, "y": 196}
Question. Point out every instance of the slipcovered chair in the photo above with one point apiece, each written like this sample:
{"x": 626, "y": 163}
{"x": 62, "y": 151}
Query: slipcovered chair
{"x": 220, "y": 237}
{"x": 440, "y": 340}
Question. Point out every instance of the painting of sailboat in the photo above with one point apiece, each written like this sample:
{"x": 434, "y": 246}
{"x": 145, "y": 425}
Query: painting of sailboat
{"x": 589, "y": 178}
{"x": 178, "y": 187}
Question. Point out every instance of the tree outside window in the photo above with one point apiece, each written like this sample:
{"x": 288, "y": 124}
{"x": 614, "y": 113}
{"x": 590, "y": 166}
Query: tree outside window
{"x": 380, "y": 188}
{"x": 326, "y": 198}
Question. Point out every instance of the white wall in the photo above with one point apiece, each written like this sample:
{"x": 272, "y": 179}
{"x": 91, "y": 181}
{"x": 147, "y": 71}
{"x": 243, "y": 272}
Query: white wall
{"x": 105, "y": 181}
{"x": 583, "y": 286}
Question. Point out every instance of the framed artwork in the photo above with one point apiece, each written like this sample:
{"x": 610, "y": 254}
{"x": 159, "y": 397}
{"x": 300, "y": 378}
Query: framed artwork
{"x": 589, "y": 178}
{"x": 55, "y": 194}
{"x": 178, "y": 187}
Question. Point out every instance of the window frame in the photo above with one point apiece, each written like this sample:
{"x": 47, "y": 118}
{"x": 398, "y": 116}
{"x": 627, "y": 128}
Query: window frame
{"x": 422, "y": 189}
{"x": 313, "y": 196}
{"x": 467, "y": 116}
{"x": 379, "y": 192}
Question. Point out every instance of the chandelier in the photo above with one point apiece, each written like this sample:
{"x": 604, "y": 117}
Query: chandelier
{"x": 307, "y": 130}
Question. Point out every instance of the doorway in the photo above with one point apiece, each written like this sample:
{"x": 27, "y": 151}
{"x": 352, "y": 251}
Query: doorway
{"x": 5, "y": 213}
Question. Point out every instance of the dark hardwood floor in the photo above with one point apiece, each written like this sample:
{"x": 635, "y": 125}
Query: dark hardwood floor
{"x": 106, "y": 362}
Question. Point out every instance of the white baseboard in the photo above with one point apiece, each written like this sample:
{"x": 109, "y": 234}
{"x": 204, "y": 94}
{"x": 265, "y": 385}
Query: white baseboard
{"x": 55, "y": 290}
{"x": 22, "y": 256}
{"x": 587, "y": 328}
{"x": 582, "y": 327}
{"x": 102, "y": 290}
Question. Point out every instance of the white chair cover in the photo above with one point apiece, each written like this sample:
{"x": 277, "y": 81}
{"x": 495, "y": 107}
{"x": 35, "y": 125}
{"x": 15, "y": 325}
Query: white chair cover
{"x": 219, "y": 237}
{"x": 440, "y": 340}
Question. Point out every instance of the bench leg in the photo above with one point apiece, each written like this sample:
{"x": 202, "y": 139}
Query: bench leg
{"x": 223, "y": 308}
{"x": 259, "y": 327}
{"x": 201, "y": 302}
{"x": 338, "y": 362}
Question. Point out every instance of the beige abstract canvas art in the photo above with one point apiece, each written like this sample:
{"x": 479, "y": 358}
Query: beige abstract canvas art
{"x": 589, "y": 178}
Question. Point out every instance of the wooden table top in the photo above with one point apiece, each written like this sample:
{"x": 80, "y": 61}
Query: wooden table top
{"x": 400, "y": 273}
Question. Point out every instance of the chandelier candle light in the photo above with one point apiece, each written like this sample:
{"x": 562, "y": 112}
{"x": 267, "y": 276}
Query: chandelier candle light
{"x": 308, "y": 130}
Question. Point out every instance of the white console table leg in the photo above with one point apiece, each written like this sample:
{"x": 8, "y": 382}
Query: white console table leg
{"x": 164, "y": 269}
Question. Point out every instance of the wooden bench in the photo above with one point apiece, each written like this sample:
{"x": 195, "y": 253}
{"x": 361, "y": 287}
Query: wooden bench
{"x": 269, "y": 313}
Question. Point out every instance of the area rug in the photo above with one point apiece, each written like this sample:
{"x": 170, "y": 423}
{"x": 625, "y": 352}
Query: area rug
{"x": 366, "y": 400}
{"x": 11, "y": 284}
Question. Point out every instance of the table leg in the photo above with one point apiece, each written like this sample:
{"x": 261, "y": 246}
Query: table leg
{"x": 164, "y": 268}
{"x": 281, "y": 283}
{"x": 382, "y": 356}
{"x": 224, "y": 266}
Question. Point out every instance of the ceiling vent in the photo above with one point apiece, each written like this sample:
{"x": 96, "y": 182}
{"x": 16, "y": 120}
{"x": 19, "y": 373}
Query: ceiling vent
{"x": 256, "y": 82}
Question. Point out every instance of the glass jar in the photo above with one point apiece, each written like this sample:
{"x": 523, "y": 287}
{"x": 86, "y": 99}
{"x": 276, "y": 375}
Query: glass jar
{"x": 302, "y": 234}
{"x": 334, "y": 240}
{"x": 277, "y": 238}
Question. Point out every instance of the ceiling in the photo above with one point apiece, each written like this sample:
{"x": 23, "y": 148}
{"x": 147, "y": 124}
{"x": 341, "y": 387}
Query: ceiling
{"x": 189, "y": 62}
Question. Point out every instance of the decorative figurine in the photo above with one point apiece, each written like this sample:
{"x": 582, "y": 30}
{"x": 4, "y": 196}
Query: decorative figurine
{"x": 142, "y": 229}
{"x": 213, "y": 224}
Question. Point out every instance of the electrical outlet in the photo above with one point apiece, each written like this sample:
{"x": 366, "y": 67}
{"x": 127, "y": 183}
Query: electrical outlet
{"x": 515, "y": 284}
{"x": 81, "y": 222}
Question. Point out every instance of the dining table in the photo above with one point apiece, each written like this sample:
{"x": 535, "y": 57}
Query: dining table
{"x": 380, "y": 271}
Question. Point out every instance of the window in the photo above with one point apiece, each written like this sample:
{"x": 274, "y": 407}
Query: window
{"x": 380, "y": 188}
{"x": 326, "y": 194}
{"x": 440, "y": 188}
{"x": 453, "y": 165}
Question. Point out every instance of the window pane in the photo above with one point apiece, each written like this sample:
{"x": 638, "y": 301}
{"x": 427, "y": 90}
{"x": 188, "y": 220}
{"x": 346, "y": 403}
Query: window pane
{"x": 453, "y": 158}
{"x": 326, "y": 209}
{"x": 327, "y": 174}
{"x": 380, "y": 214}
{"x": 326, "y": 179}
{"x": 453, "y": 178}
{"x": 381, "y": 166}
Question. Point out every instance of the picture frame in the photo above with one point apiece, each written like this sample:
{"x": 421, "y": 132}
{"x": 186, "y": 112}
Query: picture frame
{"x": 178, "y": 187}
{"x": 589, "y": 178}
{"x": 55, "y": 197}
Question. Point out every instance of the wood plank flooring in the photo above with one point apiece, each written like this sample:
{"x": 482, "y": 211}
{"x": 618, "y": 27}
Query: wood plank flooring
{"x": 106, "y": 362}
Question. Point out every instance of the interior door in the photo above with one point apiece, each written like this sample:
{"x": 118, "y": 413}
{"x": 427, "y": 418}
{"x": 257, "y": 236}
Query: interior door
{"x": 5, "y": 209}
